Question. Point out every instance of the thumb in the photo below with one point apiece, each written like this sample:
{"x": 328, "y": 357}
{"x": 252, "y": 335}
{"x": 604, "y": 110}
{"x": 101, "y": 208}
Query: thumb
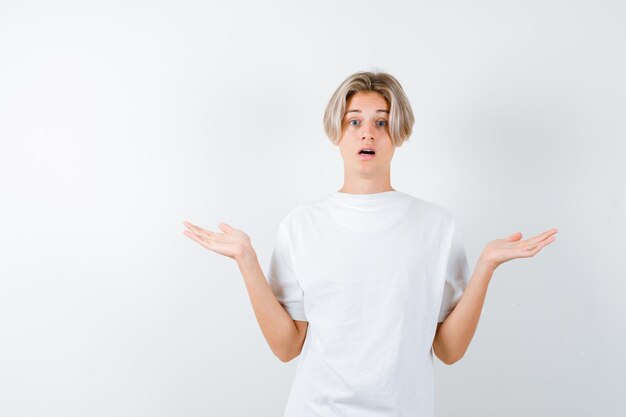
{"x": 515, "y": 236}
{"x": 225, "y": 228}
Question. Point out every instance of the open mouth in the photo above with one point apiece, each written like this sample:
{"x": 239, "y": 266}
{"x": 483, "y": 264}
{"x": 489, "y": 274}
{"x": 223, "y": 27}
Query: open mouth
{"x": 366, "y": 153}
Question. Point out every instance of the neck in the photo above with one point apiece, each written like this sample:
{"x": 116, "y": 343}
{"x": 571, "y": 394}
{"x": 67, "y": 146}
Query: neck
{"x": 366, "y": 186}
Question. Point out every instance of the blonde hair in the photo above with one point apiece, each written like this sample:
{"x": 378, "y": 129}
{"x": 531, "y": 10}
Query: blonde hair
{"x": 401, "y": 117}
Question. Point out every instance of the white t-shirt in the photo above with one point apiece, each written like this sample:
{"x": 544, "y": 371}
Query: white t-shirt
{"x": 372, "y": 274}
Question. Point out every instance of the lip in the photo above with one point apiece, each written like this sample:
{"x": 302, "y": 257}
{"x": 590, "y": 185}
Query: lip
{"x": 365, "y": 157}
{"x": 366, "y": 147}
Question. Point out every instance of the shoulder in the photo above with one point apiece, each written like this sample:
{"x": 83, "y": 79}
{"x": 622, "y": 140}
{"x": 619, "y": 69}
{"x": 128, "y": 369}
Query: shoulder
{"x": 432, "y": 210}
{"x": 297, "y": 215}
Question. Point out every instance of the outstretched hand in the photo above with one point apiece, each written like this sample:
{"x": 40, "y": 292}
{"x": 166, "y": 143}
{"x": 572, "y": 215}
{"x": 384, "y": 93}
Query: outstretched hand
{"x": 499, "y": 251}
{"x": 232, "y": 243}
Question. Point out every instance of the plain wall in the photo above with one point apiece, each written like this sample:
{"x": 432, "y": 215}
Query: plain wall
{"x": 120, "y": 120}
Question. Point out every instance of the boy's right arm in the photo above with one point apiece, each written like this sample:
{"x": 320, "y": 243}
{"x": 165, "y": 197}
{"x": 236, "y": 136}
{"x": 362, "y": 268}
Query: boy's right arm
{"x": 284, "y": 335}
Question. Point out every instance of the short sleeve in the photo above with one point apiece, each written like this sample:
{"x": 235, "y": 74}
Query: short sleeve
{"x": 457, "y": 274}
{"x": 282, "y": 278}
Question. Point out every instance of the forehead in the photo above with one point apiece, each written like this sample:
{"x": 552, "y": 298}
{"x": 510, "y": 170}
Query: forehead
{"x": 367, "y": 101}
{"x": 368, "y": 97}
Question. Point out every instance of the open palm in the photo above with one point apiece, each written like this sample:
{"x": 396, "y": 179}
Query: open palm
{"x": 232, "y": 243}
{"x": 499, "y": 251}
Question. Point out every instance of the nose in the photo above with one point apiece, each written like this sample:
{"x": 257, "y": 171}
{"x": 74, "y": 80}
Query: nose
{"x": 367, "y": 131}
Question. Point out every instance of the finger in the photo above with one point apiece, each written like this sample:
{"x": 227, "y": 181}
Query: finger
{"x": 225, "y": 227}
{"x": 199, "y": 236}
{"x": 199, "y": 231}
{"x": 536, "y": 247}
{"x": 542, "y": 236}
{"x": 547, "y": 241}
{"x": 192, "y": 227}
{"x": 199, "y": 239}
{"x": 515, "y": 236}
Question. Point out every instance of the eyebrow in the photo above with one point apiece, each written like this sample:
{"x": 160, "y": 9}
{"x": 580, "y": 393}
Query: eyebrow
{"x": 359, "y": 111}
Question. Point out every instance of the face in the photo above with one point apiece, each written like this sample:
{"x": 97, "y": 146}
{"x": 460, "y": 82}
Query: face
{"x": 366, "y": 124}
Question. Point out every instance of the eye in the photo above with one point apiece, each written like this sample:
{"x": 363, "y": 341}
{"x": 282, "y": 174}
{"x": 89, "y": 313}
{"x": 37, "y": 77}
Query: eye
{"x": 353, "y": 120}
{"x": 382, "y": 123}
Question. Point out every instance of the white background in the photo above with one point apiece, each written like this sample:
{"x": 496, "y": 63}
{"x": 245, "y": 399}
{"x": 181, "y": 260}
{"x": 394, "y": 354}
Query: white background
{"x": 120, "y": 120}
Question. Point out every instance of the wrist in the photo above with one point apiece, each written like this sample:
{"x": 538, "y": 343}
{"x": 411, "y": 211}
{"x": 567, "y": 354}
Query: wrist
{"x": 246, "y": 256}
{"x": 486, "y": 265}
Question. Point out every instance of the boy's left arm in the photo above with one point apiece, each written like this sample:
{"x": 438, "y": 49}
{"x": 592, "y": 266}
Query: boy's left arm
{"x": 455, "y": 333}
